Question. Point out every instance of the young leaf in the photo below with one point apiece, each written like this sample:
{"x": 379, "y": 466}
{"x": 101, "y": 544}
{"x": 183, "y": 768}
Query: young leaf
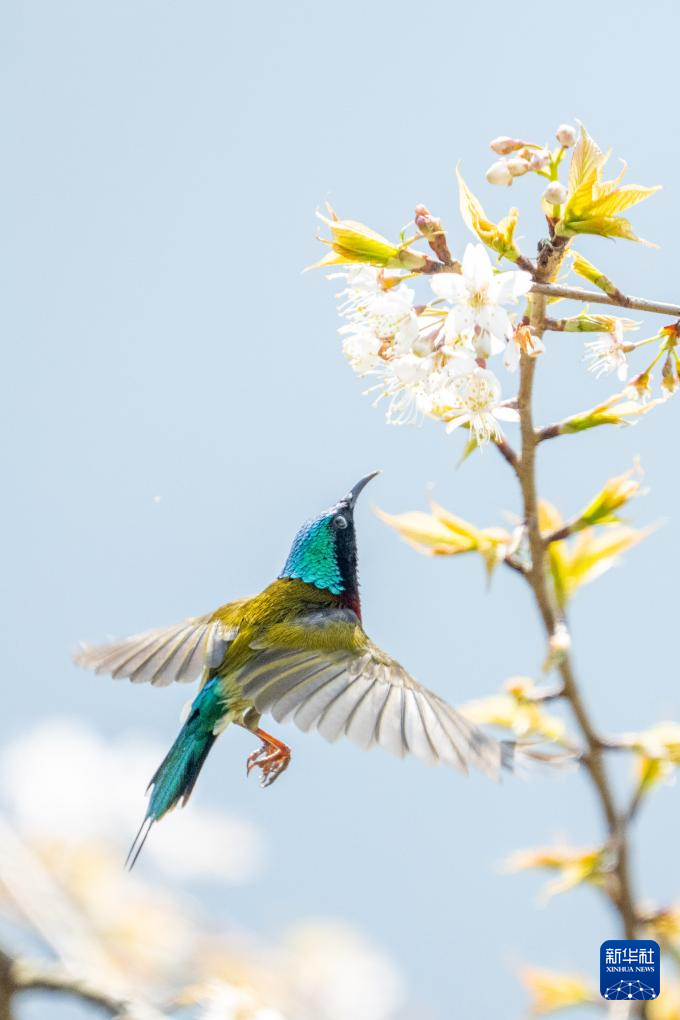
{"x": 497, "y": 236}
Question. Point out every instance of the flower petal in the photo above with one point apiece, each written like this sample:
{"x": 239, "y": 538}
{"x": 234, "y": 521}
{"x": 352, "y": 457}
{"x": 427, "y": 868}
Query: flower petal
{"x": 506, "y": 413}
{"x": 449, "y": 286}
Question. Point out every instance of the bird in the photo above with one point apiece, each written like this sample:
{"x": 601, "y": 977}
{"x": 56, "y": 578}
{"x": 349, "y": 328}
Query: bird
{"x": 298, "y": 651}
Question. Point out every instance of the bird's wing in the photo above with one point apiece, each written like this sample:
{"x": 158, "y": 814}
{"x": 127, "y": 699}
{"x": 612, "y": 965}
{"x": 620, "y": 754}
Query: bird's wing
{"x": 177, "y": 653}
{"x": 323, "y": 672}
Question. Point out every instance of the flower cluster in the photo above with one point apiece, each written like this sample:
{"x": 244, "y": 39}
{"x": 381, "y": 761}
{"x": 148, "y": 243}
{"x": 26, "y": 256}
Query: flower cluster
{"x": 519, "y": 158}
{"x": 431, "y": 359}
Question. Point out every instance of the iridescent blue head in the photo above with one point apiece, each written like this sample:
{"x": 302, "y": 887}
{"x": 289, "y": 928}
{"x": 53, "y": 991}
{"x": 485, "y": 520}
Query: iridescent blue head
{"x": 324, "y": 552}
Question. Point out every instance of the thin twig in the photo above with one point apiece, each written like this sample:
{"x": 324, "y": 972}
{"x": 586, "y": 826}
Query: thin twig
{"x": 566, "y": 530}
{"x": 515, "y": 564}
{"x": 506, "y": 451}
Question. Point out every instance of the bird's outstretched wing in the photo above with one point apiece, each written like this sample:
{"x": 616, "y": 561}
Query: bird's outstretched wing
{"x": 160, "y": 657}
{"x": 323, "y": 672}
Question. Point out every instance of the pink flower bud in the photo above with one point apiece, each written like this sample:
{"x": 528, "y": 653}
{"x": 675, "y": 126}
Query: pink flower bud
{"x": 555, "y": 193}
{"x": 504, "y": 145}
{"x": 498, "y": 173}
{"x": 518, "y": 166}
{"x": 566, "y": 135}
{"x": 539, "y": 160}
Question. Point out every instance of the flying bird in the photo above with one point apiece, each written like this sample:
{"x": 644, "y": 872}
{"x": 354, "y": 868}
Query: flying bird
{"x": 296, "y": 651}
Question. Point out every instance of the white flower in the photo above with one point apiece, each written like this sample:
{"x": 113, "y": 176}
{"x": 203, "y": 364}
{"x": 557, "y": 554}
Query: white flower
{"x": 473, "y": 398}
{"x": 392, "y": 318}
{"x": 381, "y": 323}
{"x": 363, "y": 284}
{"x": 405, "y": 384}
{"x": 608, "y": 354}
{"x": 478, "y": 295}
{"x": 362, "y": 349}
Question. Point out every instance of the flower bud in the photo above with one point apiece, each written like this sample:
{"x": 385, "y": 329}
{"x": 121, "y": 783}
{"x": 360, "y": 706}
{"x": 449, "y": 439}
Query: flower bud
{"x": 518, "y": 166}
{"x": 498, "y": 173}
{"x": 566, "y": 135}
{"x": 669, "y": 376}
{"x": 504, "y": 145}
{"x": 539, "y": 160}
{"x": 528, "y": 342}
{"x": 555, "y": 193}
{"x": 640, "y": 387}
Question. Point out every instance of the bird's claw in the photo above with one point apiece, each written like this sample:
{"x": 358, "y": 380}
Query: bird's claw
{"x": 272, "y": 760}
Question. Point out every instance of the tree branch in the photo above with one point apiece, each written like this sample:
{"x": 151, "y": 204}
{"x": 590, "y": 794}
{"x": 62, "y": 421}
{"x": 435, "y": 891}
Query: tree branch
{"x": 21, "y": 975}
{"x": 543, "y": 287}
{"x": 598, "y": 298}
{"x": 536, "y": 575}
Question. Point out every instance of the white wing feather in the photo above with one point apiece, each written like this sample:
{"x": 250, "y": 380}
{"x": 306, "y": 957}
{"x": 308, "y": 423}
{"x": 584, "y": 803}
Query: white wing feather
{"x": 178, "y": 653}
{"x": 369, "y": 698}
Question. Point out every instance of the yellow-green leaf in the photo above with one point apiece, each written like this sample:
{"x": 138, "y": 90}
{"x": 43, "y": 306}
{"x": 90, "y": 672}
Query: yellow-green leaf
{"x": 603, "y": 508}
{"x": 593, "y": 205}
{"x": 497, "y": 236}
{"x": 429, "y": 535}
{"x": 620, "y": 199}
{"x": 595, "y": 553}
{"x": 587, "y": 160}
{"x": 354, "y": 242}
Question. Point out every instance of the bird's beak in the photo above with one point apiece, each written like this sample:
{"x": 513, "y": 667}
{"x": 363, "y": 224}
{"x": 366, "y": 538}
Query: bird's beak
{"x": 353, "y": 494}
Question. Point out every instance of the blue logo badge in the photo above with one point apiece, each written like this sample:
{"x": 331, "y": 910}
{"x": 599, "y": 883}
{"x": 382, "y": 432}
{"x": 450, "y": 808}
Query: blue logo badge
{"x": 630, "y": 970}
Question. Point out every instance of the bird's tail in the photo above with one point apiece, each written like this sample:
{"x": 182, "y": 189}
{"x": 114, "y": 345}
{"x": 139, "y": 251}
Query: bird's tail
{"x": 176, "y": 776}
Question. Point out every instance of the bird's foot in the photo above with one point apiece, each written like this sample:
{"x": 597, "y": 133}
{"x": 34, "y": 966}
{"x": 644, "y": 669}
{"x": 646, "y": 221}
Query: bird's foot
{"x": 273, "y": 758}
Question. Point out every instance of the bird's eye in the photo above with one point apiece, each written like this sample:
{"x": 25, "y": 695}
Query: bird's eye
{"x": 340, "y": 522}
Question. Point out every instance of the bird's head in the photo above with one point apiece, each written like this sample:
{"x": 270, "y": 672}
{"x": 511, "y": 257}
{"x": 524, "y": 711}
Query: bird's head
{"x": 324, "y": 551}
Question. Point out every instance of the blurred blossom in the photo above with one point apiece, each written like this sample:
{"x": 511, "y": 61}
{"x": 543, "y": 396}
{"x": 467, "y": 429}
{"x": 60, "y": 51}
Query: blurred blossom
{"x": 573, "y": 866}
{"x": 62, "y": 781}
{"x": 553, "y": 990}
{"x": 658, "y": 750}
{"x": 516, "y": 709}
{"x": 223, "y": 1002}
{"x": 339, "y": 974}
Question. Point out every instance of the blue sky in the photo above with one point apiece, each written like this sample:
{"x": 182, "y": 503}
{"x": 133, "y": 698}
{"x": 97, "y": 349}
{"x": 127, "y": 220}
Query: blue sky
{"x": 163, "y": 162}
